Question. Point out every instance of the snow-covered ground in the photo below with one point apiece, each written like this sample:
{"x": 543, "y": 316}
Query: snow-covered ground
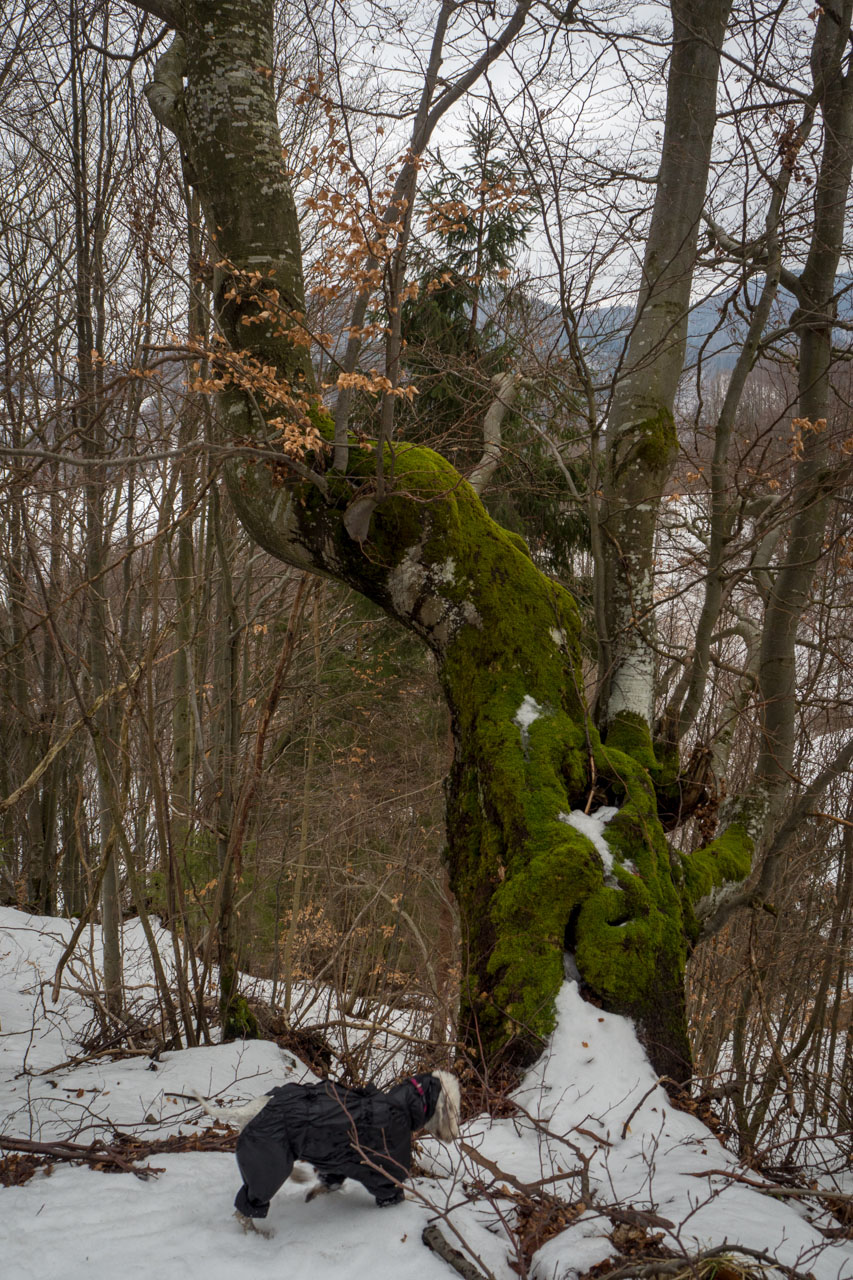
{"x": 591, "y": 1099}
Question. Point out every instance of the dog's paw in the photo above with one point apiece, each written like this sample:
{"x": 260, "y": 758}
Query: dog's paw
{"x": 324, "y": 1186}
{"x": 386, "y": 1202}
{"x": 251, "y": 1227}
{"x": 325, "y": 1183}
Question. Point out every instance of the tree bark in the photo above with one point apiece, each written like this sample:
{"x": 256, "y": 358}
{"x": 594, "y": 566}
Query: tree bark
{"x": 89, "y": 238}
{"x": 814, "y": 317}
{"x": 641, "y": 436}
{"x": 506, "y": 637}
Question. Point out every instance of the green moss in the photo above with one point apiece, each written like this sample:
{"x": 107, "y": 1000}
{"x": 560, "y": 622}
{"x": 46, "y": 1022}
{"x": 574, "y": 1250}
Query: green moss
{"x": 520, "y": 875}
{"x": 631, "y": 939}
{"x": 630, "y": 734}
{"x": 394, "y": 529}
{"x": 320, "y": 418}
{"x": 239, "y": 1023}
{"x": 668, "y": 765}
{"x": 657, "y": 440}
{"x": 518, "y": 872}
{"x": 518, "y": 542}
{"x": 530, "y": 910}
{"x": 726, "y": 860}
{"x": 530, "y": 870}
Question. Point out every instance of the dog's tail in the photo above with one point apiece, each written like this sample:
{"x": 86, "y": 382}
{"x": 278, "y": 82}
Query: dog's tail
{"x": 238, "y": 1116}
{"x": 444, "y": 1121}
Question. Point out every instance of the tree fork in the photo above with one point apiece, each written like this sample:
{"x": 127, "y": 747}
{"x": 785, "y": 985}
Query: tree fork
{"x": 506, "y": 637}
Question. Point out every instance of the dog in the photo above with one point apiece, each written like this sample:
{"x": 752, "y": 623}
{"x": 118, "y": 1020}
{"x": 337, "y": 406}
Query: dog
{"x": 364, "y": 1134}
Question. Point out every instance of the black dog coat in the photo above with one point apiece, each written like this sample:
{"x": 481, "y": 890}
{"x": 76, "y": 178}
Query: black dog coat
{"x": 343, "y": 1133}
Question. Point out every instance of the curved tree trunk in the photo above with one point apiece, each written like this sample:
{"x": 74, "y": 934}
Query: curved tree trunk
{"x": 528, "y": 884}
{"x": 506, "y": 638}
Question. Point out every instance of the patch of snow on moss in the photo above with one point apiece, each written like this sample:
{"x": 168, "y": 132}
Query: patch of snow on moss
{"x": 592, "y": 826}
{"x": 529, "y": 711}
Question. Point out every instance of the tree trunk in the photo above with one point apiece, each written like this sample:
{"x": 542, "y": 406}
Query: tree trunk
{"x": 89, "y": 424}
{"x": 816, "y": 478}
{"x": 641, "y": 438}
{"x": 506, "y": 638}
{"x": 184, "y": 746}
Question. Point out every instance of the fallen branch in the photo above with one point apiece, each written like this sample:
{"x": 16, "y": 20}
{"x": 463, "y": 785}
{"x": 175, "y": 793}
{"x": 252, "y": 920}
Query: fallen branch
{"x": 638, "y": 1218}
{"x": 525, "y": 1188}
{"x": 626, "y": 1128}
{"x": 117, "y": 1051}
{"x": 690, "y": 1265}
{"x": 433, "y": 1239}
{"x": 124, "y": 1153}
{"x": 97, "y": 1155}
{"x": 776, "y": 1189}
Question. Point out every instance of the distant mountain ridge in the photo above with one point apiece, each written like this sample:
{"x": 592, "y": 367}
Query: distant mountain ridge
{"x": 715, "y": 333}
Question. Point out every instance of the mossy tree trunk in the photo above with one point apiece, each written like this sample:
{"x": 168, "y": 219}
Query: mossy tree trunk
{"x": 506, "y": 638}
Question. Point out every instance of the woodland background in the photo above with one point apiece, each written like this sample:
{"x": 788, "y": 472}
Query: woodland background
{"x": 174, "y": 703}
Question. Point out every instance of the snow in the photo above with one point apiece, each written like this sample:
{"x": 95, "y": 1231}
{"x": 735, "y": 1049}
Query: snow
{"x": 591, "y": 1098}
{"x": 529, "y": 711}
{"x": 594, "y": 1075}
{"x": 592, "y": 826}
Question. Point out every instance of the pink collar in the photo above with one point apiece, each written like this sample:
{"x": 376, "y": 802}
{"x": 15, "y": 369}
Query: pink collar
{"x": 417, "y": 1085}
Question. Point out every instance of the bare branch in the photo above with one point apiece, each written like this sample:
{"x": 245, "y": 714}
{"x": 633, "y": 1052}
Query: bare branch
{"x": 165, "y": 10}
{"x": 506, "y": 390}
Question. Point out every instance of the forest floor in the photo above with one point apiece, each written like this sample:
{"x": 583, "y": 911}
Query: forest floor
{"x": 648, "y": 1188}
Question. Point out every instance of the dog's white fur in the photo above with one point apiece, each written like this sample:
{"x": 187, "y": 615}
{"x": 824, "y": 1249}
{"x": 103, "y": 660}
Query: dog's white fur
{"x": 239, "y": 1116}
{"x": 444, "y": 1121}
